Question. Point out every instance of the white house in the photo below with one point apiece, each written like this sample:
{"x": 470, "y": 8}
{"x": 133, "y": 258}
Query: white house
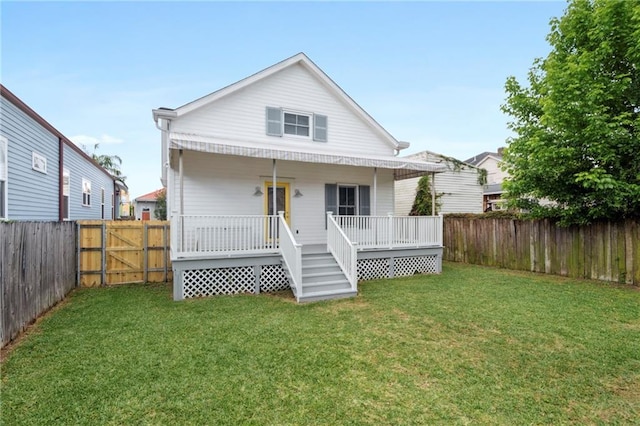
{"x": 459, "y": 187}
{"x": 251, "y": 171}
{"x": 145, "y": 205}
{"x": 491, "y": 162}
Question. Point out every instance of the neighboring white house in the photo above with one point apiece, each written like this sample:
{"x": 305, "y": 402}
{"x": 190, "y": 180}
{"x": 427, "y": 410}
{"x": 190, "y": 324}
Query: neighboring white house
{"x": 287, "y": 139}
{"x": 459, "y": 188}
{"x": 492, "y": 193}
{"x": 145, "y": 205}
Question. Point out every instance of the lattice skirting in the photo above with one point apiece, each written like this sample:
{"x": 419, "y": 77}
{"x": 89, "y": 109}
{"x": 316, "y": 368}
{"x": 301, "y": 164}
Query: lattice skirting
{"x": 371, "y": 269}
{"x": 242, "y": 279}
{"x": 416, "y": 265}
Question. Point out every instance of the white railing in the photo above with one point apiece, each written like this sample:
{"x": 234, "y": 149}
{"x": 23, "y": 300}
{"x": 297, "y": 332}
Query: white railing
{"x": 228, "y": 235}
{"x": 291, "y": 254}
{"x": 343, "y": 250}
{"x": 392, "y": 231}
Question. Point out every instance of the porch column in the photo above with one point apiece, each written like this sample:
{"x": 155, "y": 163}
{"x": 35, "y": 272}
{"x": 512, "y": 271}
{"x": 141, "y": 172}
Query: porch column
{"x": 181, "y": 209}
{"x": 375, "y": 191}
{"x": 433, "y": 194}
{"x": 273, "y": 188}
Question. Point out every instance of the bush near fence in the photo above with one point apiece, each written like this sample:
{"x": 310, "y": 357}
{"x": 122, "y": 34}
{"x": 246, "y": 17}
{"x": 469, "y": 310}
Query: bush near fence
{"x": 608, "y": 251}
{"x": 37, "y": 269}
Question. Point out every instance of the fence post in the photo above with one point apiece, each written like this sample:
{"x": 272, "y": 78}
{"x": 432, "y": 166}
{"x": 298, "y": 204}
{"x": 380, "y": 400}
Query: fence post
{"x": 164, "y": 252}
{"x": 79, "y": 252}
{"x": 145, "y": 252}
{"x": 103, "y": 276}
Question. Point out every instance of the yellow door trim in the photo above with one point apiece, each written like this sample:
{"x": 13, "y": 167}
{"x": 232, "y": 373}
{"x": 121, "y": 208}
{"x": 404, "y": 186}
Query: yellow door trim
{"x": 287, "y": 201}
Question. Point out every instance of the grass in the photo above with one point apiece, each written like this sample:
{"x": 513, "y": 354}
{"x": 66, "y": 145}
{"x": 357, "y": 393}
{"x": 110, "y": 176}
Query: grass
{"x": 473, "y": 345}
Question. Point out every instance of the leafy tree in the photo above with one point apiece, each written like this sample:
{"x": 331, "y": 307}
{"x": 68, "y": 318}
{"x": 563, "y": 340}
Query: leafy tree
{"x": 577, "y": 123}
{"x": 422, "y": 203}
{"x": 110, "y": 163}
{"x": 160, "y": 211}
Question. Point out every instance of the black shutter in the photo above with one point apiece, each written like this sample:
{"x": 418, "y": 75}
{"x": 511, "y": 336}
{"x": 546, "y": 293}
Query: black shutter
{"x": 330, "y": 200}
{"x": 364, "y": 202}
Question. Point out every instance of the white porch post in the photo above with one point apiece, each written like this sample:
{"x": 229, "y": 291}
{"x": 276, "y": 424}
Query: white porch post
{"x": 181, "y": 210}
{"x": 433, "y": 194}
{"x": 273, "y": 200}
{"x": 375, "y": 191}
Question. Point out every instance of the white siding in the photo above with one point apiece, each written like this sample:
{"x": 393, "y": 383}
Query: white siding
{"x": 494, "y": 173}
{"x": 221, "y": 185}
{"x": 461, "y": 192}
{"x": 241, "y": 115}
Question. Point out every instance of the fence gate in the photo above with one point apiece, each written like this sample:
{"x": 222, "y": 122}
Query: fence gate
{"x": 119, "y": 252}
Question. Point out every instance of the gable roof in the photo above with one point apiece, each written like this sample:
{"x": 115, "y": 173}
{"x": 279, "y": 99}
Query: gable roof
{"x": 150, "y": 197}
{"x": 425, "y": 153}
{"x": 477, "y": 159}
{"x": 18, "y": 103}
{"x": 298, "y": 59}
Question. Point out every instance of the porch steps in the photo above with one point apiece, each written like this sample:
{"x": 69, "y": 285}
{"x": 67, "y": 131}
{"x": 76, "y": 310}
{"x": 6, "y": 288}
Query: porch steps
{"x": 322, "y": 279}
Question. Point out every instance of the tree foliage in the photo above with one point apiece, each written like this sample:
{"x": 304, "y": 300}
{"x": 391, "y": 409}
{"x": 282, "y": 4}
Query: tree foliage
{"x": 577, "y": 123}
{"x": 422, "y": 203}
{"x": 160, "y": 211}
{"x": 110, "y": 163}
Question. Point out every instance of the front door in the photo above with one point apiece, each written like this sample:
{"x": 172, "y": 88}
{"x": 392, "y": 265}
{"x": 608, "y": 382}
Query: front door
{"x": 282, "y": 203}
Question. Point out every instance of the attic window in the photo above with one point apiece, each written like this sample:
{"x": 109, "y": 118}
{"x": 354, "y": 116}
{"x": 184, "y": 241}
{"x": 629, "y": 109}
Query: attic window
{"x": 296, "y": 124}
{"x": 281, "y": 123}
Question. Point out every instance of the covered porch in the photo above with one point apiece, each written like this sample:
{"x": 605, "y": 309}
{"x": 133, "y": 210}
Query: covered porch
{"x": 313, "y": 222}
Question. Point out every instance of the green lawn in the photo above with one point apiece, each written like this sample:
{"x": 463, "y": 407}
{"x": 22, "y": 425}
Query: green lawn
{"x": 473, "y": 345}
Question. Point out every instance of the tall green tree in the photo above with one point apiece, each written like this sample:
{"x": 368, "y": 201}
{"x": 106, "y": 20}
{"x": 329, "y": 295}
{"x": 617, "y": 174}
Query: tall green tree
{"x": 422, "y": 203}
{"x": 577, "y": 123}
{"x": 110, "y": 163}
{"x": 160, "y": 212}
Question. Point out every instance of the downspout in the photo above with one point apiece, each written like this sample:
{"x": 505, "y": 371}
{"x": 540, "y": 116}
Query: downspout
{"x": 60, "y": 180}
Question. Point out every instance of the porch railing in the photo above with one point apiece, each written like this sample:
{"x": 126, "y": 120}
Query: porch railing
{"x": 291, "y": 254}
{"x": 343, "y": 250}
{"x": 392, "y": 231}
{"x": 220, "y": 234}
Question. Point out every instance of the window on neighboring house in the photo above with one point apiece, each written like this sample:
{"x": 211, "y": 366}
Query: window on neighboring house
{"x": 113, "y": 206}
{"x": 86, "y": 192}
{"x": 4, "y": 175}
{"x": 281, "y": 122}
{"x": 102, "y": 203}
{"x": 66, "y": 191}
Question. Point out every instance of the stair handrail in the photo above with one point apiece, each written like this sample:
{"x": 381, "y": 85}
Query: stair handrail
{"x": 343, "y": 250}
{"x": 291, "y": 252}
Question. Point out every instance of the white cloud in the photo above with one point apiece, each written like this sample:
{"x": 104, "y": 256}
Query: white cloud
{"x": 90, "y": 141}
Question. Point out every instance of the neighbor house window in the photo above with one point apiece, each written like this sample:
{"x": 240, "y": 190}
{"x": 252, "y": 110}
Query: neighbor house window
{"x": 66, "y": 191}
{"x": 296, "y": 124}
{"x": 4, "y": 174}
{"x": 102, "y": 203}
{"x": 39, "y": 162}
{"x": 86, "y": 192}
{"x": 280, "y": 122}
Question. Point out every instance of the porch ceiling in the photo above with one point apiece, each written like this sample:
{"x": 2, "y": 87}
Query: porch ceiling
{"x": 214, "y": 145}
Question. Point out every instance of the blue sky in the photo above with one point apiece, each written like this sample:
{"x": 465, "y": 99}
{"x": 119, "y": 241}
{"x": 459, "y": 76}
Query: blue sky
{"x": 431, "y": 73}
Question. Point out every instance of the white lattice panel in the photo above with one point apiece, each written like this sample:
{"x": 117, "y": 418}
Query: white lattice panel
{"x": 209, "y": 282}
{"x": 415, "y": 265}
{"x": 371, "y": 269}
{"x": 273, "y": 278}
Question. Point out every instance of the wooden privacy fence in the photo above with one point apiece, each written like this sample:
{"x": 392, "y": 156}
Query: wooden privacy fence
{"x": 602, "y": 251}
{"x": 37, "y": 270}
{"x": 118, "y": 252}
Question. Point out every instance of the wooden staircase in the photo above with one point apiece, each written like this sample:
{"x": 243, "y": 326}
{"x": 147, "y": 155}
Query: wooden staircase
{"x": 322, "y": 279}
